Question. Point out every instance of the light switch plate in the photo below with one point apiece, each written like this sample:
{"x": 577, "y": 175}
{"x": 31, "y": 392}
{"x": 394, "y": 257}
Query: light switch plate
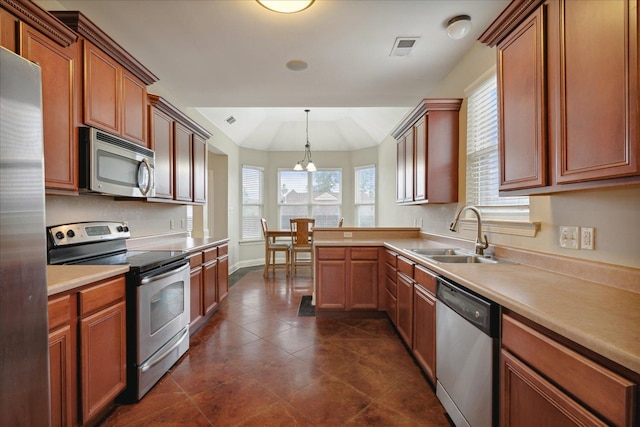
{"x": 569, "y": 237}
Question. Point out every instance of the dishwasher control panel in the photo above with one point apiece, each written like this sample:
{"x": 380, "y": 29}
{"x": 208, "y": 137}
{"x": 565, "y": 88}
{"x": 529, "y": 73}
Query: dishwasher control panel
{"x": 480, "y": 312}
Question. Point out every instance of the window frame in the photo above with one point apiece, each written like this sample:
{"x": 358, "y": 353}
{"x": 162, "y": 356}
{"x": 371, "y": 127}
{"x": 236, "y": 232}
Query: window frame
{"x": 356, "y": 202}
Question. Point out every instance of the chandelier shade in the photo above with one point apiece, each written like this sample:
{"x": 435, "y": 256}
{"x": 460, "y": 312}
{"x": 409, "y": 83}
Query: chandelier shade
{"x": 306, "y": 162}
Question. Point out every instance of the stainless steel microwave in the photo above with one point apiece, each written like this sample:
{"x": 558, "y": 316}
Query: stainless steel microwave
{"x": 114, "y": 166}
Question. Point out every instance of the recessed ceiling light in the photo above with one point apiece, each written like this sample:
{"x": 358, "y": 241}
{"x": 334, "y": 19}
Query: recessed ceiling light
{"x": 297, "y": 65}
{"x": 286, "y": 6}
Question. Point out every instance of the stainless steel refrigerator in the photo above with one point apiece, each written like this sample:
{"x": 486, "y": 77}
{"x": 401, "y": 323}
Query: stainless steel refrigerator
{"x": 24, "y": 350}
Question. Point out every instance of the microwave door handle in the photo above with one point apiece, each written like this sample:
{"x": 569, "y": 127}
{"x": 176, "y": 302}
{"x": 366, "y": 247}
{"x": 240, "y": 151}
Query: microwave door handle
{"x": 150, "y": 279}
{"x": 146, "y": 189}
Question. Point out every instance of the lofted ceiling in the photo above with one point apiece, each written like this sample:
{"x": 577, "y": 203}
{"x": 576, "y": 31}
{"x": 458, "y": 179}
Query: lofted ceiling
{"x": 227, "y": 58}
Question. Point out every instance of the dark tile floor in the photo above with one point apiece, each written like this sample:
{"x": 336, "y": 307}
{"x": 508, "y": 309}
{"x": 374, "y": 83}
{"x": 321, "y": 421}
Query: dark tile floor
{"x": 256, "y": 363}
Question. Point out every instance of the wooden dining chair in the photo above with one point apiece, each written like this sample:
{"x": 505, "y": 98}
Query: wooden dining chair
{"x": 271, "y": 247}
{"x": 301, "y": 242}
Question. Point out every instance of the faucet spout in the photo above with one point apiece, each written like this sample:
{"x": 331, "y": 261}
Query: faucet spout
{"x": 481, "y": 241}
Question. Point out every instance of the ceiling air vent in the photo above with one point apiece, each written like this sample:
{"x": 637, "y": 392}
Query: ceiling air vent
{"x": 403, "y": 46}
{"x": 231, "y": 120}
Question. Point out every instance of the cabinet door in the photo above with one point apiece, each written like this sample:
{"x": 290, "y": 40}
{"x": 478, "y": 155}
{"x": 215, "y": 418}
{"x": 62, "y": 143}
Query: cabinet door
{"x": 404, "y": 322}
{"x": 161, "y": 142}
{"x": 60, "y": 379}
{"x": 391, "y": 307}
{"x": 103, "y": 358}
{"x": 199, "y": 170}
{"x": 521, "y": 79}
{"x": 183, "y": 163}
{"x": 363, "y": 284}
{"x": 400, "y": 169}
{"x": 331, "y": 274}
{"x": 210, "y": 286}
{"x": 223, "y": 277}
{"x": 420, "y": 163}
{"x": 424, "y": 330}
{"x": 8, "y": 31}
{"x": 134, "y": 109}
{"x": 102, "y": 76}
{"x": 59, "y": 100}
{"x": 598, "y": 90}
{"x": 408, "y": 166}
{"x": 197, "y": 299}
{"x": 528, "y": 400}
{"x": 442, "y": 129}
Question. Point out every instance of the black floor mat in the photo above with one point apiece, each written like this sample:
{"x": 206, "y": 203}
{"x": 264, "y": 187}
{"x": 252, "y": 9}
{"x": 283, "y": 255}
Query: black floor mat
{"x": 306, "y": 309}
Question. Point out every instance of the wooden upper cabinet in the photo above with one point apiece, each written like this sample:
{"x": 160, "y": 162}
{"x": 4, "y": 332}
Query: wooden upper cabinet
{"x": 199, "y": 169}
{"x": 521, "y": 75}
{"x": 8, "y": 31}
{"x": 568, "y": 84}
{"x": 115, "y": 83}
{"x": 102, "y": 77}
{"x": 183, "y": 155}
{"x": 427, "y": 153}
{"x": 134, "y": 109}
{"x": 161, "y": 142}
{"x": 60, "y": 92}
{"x": 597, "y": 50}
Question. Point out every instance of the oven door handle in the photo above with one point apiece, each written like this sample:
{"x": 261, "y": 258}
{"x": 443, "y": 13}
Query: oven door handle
{"x": 151, "y": 363}
{"x": 150, "y": 279}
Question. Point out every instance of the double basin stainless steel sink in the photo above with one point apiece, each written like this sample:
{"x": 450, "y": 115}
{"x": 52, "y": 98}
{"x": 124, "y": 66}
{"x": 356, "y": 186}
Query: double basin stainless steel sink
{"x": 453, "y": 256}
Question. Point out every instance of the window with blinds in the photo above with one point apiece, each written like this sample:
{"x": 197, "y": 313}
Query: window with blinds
{"x": 310, "y": 195}
{"x": 483, "y": 173}
{"x": 252, "y": 202}
{"x": 365, "y": 196}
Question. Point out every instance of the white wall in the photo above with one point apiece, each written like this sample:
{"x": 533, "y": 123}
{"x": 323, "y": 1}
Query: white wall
{"x": 614, "y": 212}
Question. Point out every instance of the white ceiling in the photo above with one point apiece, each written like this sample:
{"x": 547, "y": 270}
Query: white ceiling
{"x": 227, "y": 58}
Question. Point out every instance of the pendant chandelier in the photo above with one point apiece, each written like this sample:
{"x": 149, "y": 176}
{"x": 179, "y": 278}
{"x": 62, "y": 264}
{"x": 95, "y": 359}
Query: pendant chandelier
{"x": 306, "y": 163}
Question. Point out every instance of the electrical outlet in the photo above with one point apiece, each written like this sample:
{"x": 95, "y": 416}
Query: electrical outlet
{"x": 569, "y": 237}
{"x": 587, "y": 238}
{"x": 172, "y": 224}
{"x": 183, "y": 223}
{"x": 348, "y": 234}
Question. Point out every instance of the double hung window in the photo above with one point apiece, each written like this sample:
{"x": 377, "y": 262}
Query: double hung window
{"x": 365, "y": 196}
{"x": 252, "y": 202}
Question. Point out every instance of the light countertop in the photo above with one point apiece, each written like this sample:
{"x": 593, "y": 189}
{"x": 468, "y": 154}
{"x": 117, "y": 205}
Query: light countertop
{"x": 61, "y": 278}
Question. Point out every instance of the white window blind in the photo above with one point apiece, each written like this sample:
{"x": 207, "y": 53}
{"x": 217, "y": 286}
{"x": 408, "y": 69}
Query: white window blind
{"x": 252, "y": 202}
{"x": 482, "y": 156}
{"x": 365, "y": 196}
{"x": 310, "y": 194}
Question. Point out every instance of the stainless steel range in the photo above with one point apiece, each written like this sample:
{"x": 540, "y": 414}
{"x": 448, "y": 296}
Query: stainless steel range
{"x": 158, "y": 284}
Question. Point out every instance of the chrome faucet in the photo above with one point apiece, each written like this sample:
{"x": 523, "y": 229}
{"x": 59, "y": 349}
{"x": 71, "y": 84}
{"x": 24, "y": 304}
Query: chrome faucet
{"x": 481, "y": 243}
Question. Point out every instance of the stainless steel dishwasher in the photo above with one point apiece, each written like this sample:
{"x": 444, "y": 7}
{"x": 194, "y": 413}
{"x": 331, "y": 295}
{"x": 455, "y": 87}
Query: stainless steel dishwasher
{"x": 466, "y": 346}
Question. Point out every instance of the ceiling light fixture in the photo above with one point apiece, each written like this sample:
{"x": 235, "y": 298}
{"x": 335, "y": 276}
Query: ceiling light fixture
{"x": 304, "y": 163}
{"x": 286, "y": 6}
{"x": 459, "y": 26}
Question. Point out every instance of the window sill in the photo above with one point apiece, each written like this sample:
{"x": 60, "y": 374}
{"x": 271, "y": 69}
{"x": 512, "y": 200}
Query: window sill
{"x": 501, "y": 226}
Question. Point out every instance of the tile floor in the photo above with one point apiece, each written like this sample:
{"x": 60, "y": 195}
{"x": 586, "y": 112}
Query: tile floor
{"x": 256, "y": 363}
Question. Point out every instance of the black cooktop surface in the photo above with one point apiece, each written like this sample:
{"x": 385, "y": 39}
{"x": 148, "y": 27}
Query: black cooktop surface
{"x": 137, "y": 260}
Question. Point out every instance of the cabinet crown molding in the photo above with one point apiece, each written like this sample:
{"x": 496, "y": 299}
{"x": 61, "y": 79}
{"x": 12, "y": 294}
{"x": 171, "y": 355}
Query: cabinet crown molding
{"x": 38, "y": 18}
{"x": 87, "y": 29}
{"x": 508, "y": 20}
{"x": 426, "y": 105}
{"x": 169, "y": 109}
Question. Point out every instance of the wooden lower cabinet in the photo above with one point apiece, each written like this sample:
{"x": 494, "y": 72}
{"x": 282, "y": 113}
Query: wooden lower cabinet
{"x": 404, "y": 318}
{"x": 545, "y": 382}
{"x": 347, "y": 278}
{"x": 87, "y": 351}
{"x": 424, "y": 330}
{"x": 209, "y": 283}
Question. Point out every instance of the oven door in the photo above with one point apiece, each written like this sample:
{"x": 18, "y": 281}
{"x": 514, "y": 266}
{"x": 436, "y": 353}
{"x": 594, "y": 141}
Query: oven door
{"x": 162, "y": 310}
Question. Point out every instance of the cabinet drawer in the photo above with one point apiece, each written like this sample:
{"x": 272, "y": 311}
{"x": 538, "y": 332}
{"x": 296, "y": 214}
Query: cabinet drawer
{"x": 364, "y": 253}
{"x": 223, "y": 250}
{"x": 59, "y": 311}
{"x": 102, "y": 295}
{"x": 426, "y": 278}
{"x": 210, "y": 254}
{"x": 390, "y": 272}
{"x": 332, "y": 253}
{"x": 405, "y": 266}
{"x": 391, "y": 286}
{"x": 195, "y": 260}
{"x": 391, "y": 258}
{"x": 607, "y": 393}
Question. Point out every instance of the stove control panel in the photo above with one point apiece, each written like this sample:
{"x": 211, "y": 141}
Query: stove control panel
{"x": 87, "y": 232}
